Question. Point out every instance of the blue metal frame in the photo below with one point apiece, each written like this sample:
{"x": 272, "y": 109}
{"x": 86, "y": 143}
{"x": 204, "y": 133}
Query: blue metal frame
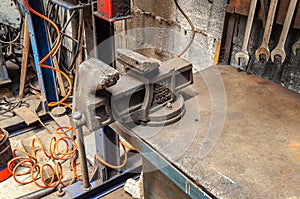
{"x": 41, "y": 47}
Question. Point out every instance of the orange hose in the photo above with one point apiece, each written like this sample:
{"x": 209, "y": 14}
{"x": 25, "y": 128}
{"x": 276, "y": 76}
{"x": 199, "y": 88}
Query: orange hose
{"x": 52, "y": 51}
{"x": 36, "y": 170}
{"x": 128, "y": 146}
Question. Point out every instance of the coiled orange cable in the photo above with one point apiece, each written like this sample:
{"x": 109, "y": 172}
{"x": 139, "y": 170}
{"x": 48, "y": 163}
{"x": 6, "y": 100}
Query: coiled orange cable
{"x": 36, "y": 169}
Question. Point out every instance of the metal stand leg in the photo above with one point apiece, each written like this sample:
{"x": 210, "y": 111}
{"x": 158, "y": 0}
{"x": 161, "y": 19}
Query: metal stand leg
{"x": 79, "y": 122}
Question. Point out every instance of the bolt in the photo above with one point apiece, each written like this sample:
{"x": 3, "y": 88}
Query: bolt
{"x": 77, "y": 116}
{"x": 169, "y": 105}
{"x": 60, "y": 192}
{"x": 88, "y": 189}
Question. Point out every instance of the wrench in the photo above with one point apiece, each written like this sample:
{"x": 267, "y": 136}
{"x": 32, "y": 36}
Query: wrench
{"x": 264, "y": 48}
{"x": 296, "y": 46}
{"x": 244, "y": 53}
{"x": 279, "y": 50}
{"x": 263, "y": 7}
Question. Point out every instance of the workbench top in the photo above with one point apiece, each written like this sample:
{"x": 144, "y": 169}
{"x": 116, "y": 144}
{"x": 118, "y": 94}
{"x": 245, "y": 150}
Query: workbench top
{"x": 239, "y": 138}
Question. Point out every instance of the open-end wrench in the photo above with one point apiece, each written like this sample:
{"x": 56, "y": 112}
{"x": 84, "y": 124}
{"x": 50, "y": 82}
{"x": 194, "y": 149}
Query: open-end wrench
{"x": 279, "y": 50}
{"x": 264, "y": 48}
{"x": 296, "y": 46}
{"x": 244, "y": 53}
{"x": 263, "y": 7}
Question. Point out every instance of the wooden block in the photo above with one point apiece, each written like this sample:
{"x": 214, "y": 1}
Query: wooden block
{"x": 27, "y": 115}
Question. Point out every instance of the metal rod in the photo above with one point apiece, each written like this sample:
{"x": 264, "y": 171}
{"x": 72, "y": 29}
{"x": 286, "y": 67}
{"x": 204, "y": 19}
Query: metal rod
{"x": 79, "y": 121}
{"x": 83, "y": 161}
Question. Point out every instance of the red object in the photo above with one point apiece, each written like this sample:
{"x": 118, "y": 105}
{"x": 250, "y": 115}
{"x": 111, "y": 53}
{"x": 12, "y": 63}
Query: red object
{"x": 5, "y": 155}
{"x": 113, "y": 10}
{"x": 5, "y": 174}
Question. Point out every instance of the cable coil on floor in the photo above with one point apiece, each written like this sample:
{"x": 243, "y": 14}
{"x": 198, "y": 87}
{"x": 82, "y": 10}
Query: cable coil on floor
{"x": 36, "y": 170}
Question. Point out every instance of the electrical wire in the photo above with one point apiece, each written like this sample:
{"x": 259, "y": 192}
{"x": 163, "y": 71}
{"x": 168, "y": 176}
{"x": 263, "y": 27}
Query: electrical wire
{"x": 12, "y": 41}
{"x": 192, "y": 27}
{"x": 63, "y": 34}
{"x": 72, "y": 66}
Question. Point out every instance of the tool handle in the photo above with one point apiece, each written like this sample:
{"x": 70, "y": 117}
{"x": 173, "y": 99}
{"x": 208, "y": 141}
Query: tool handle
{"x": 287, "y": 23}
{"x": 249, "y": 24}
{"x": 269, "y": 23}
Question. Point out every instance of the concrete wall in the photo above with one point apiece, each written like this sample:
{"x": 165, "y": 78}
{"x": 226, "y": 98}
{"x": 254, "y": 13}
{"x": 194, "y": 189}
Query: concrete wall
{"x": 172, "y": 31}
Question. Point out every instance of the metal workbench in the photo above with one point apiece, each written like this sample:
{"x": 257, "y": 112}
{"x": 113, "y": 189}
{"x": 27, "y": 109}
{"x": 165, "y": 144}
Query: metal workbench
{"x": 239, "y": 138}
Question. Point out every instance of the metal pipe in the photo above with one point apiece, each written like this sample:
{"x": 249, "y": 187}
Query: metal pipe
{"x": 83, "y": 161}
{"x": 79, "y": 121}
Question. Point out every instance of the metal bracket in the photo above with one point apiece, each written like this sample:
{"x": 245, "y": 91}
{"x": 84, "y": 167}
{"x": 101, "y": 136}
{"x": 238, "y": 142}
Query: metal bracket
{"x": 69, "y": 5}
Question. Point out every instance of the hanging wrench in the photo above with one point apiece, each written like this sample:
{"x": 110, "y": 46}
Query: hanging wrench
{"x": 296, "y": 46}
{"x": 263, "y": 7}
{"x": 279, "y": 50}
{"x": 244, "y": 53}
{"x": 264, "y": 48}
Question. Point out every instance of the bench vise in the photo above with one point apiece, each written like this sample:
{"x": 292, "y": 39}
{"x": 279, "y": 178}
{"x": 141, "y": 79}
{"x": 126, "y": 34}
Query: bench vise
{"x": 147, "y": 94}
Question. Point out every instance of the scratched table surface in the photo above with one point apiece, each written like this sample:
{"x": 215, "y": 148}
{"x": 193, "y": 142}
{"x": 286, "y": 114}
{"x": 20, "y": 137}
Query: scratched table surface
{"x": 240, "y": 139}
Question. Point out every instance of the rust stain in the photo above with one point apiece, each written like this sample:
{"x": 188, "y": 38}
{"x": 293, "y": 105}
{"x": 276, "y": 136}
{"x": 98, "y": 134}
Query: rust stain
{"x": 294, "y": 147}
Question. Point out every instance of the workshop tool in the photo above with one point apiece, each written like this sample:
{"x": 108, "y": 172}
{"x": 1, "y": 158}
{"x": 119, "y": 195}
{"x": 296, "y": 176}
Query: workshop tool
{"x": 279, "y": 50}
{"x": 244, "y": 53}
{"x": 264, "y": 48}
{"x": 145, "y": 95}
{"x": 264, "y": 8}
{"x": 296, "y": 46}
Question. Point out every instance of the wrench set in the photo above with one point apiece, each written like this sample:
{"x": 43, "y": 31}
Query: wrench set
{"x": 263, "y": 52}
